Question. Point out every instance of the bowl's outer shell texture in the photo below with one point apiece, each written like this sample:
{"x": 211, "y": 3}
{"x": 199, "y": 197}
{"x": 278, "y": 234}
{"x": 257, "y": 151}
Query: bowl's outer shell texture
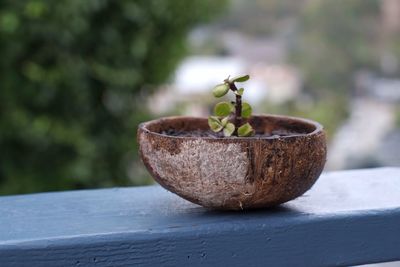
{"x": 235, "y": 173}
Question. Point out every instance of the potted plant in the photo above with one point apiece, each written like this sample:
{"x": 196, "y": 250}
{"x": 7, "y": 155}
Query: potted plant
{"x": 234, "y": 160}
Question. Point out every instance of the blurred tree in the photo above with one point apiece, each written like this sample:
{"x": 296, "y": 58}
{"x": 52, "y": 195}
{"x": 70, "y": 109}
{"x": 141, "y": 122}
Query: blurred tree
{"x": 73, "y": 75}
{"x": 335, "y": 39}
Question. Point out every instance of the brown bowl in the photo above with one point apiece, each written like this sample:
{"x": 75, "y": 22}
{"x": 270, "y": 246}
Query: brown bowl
{"x": 232, "y": 172}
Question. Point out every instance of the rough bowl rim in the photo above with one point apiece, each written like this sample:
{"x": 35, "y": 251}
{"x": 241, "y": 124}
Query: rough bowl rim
{"x": 318, "y": 128}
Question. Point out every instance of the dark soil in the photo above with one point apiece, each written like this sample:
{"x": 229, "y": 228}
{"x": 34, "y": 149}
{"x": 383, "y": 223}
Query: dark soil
{"x": 209, "y": 133}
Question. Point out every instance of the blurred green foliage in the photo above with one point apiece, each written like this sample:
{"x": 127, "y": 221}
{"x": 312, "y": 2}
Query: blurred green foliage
{"x": 73, "y": 75}
{"x": 333, "y": 40}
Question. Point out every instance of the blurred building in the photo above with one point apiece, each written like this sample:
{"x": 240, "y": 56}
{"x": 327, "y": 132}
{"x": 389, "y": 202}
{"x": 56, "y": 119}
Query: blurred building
{"x": 369, "y": 138}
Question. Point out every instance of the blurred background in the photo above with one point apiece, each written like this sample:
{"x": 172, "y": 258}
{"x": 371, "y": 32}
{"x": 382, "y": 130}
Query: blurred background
{"x": 76, "y": 78}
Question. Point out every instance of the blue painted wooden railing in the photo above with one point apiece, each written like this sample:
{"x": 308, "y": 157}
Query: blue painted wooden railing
{"x": 348, "y": 218}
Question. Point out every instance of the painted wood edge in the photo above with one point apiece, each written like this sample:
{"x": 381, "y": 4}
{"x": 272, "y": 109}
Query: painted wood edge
{"x": 339, "y": 240}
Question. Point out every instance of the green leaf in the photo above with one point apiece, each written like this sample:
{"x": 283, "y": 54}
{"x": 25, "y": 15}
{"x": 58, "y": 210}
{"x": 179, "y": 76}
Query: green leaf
{"x": 220, "y": 90}
{"x": 245, "y": 130}
{"x": 224, "y": 121}
{"x": 239, "y": 91}
{"x": 223, "y": 109}
{"x": 240, "y": 79}
{"x": 215, "y": 124}
{"x": 246, "y": 110}
{"x": 229, "y": 129}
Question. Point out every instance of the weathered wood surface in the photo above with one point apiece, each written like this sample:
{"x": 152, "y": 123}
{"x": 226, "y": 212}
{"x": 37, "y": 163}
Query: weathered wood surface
{"x": 347, "y": 218}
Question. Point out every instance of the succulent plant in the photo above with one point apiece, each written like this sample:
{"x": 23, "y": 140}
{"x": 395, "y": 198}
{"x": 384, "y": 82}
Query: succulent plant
{"x": 228, "y": 116}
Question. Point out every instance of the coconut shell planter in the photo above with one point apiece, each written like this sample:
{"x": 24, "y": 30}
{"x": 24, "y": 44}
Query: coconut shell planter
{"x": 218, "y": 164}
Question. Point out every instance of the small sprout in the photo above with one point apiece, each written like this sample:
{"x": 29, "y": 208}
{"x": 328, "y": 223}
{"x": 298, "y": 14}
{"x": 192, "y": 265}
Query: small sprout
{"x": 218, "y": 125}
{"x": 223, "y": 109}
{"x": 239, "y": 91}
{"x": 240, "y": 79}
{"x": 229, "y": 129}
{"x": 225, "y": 121}
{"x": 245, "y": 130}
{"x": 215, "y": 124}
{"x": 246, "y": 110}
{"x": 220, "y": 90}
{"x": 235, "y": 111}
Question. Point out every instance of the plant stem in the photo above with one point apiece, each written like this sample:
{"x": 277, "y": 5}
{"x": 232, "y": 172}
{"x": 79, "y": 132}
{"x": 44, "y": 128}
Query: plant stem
{"x": 238, "y": 108}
